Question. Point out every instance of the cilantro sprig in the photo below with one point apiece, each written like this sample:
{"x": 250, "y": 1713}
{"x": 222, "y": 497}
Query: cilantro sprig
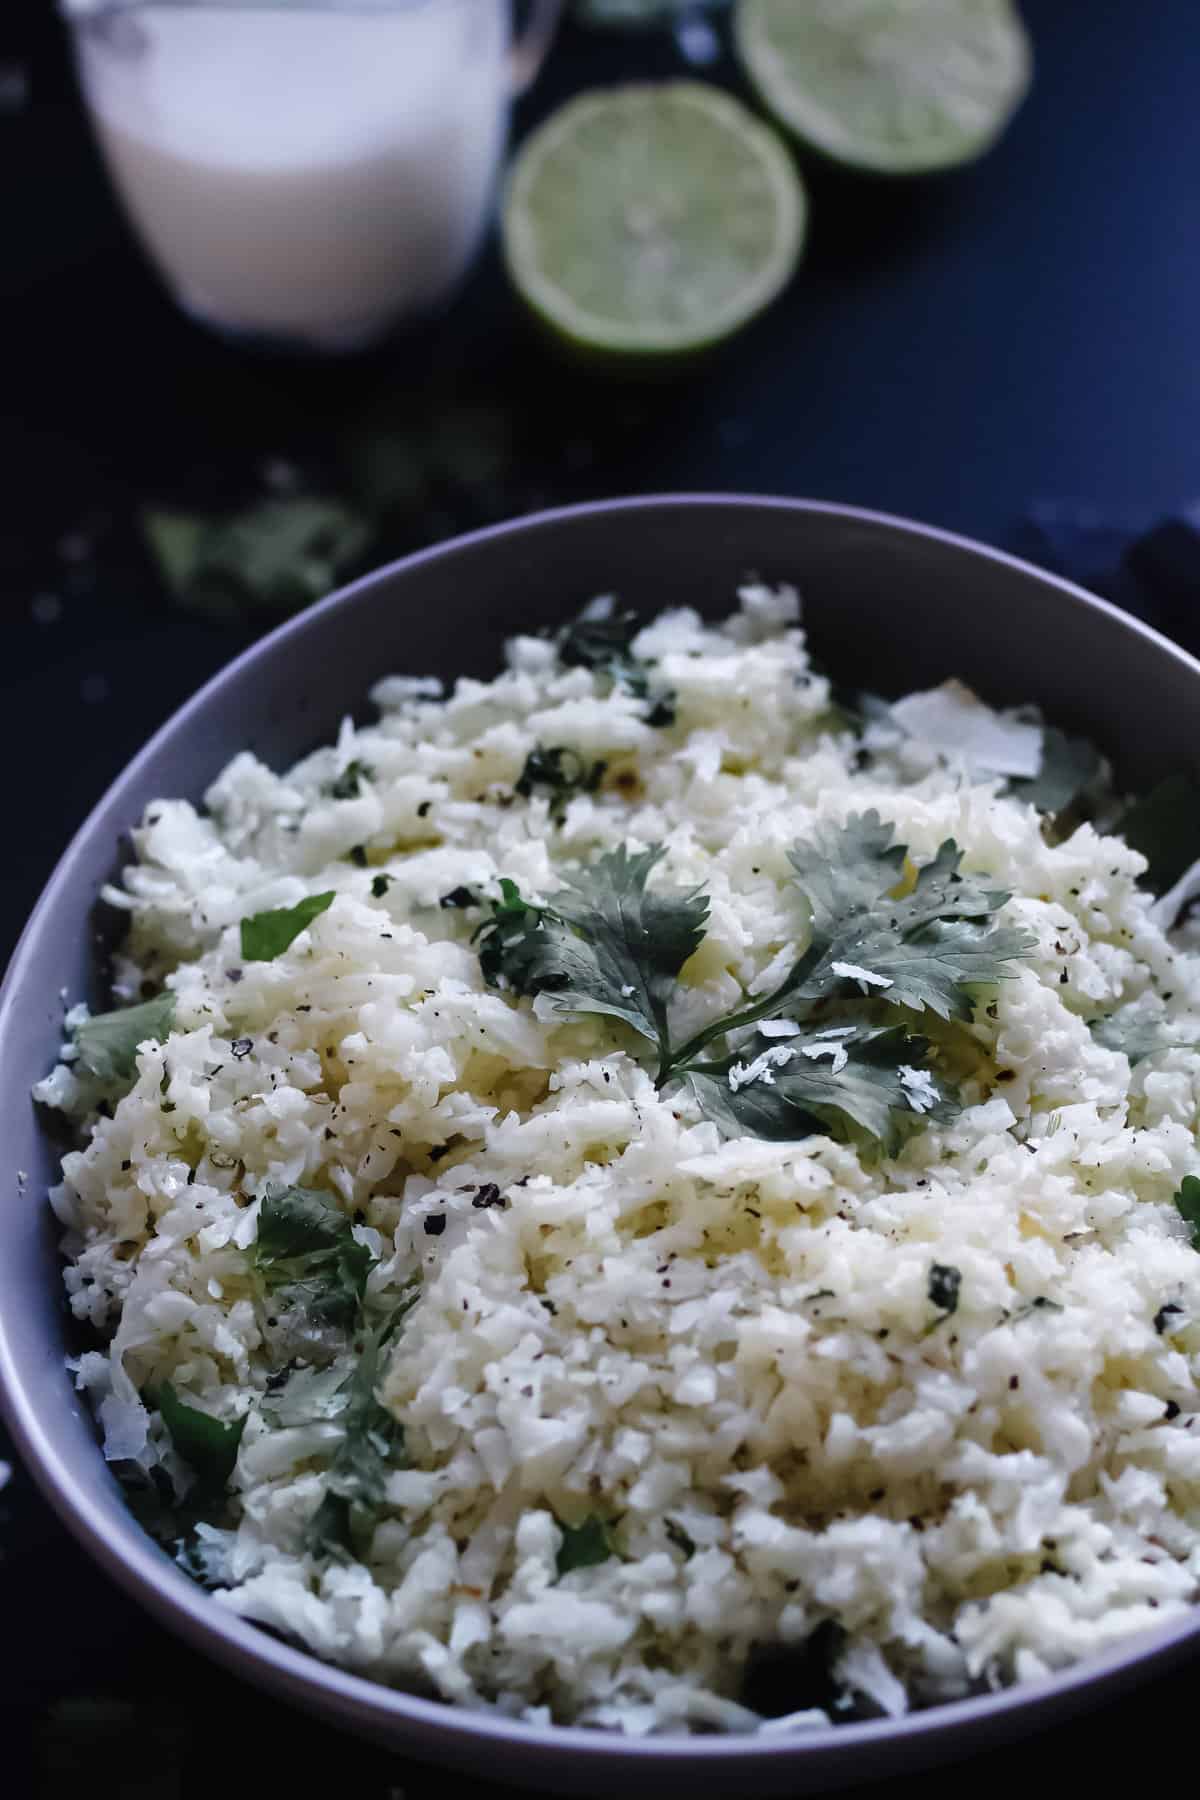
{"x": 879, "y": 938}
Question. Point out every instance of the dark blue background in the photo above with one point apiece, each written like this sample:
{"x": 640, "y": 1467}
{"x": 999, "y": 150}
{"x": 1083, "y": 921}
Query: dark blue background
{"x": 1022, "y": 333}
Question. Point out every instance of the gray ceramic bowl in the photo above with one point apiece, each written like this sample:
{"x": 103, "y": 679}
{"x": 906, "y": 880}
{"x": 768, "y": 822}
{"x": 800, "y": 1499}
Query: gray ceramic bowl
{"x": 887, "y": 603}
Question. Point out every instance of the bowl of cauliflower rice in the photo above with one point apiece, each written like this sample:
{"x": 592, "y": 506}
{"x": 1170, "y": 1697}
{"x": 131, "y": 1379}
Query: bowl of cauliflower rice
{"x": 625, "y": 1176}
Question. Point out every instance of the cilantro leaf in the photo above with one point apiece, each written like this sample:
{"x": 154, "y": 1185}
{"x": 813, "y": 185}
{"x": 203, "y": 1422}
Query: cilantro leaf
{"x": 519, "y": 945}
{"x": 310, "y": 1392}
{"x": 1071, "y": 766}
{"x": 783, "y": 1090}
{"x": 266, "y": 935}
{"x": 562, "y": 772}
{"x": 601, "y": 639}
{"x": 1188, "y": 1201}
{"x": 1165, "y": 826}
{"x": 372, "y": 1445}
{"x": 306, "y": 1253}
{"x": 108, "y": 1042}
{"x": 1138, "y": 1030}
{"x": 206, "y": 1444}
{"x": 609, "y": 944}
{"x": 586, "y": 1545}
{"x": 921, "y": 949}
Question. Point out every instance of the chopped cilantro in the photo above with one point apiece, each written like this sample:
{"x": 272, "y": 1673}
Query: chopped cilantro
{"x": 562, "y": 773}
{"x": 266, "y": 935}
{"x": 372, "y": 1445}
{"x": 308, "y": 1257}
{"x": 601, "y": 639}
{"x": 945, "y": 1281}
{"x": 207, "y": 1445}
{"x": 107, "y": 1043}
{"x": 460, "y": 898}
{"x": 1188, "y": 1201}
{"x": 348, "y": 784}
{"x": 680, "y": 1538}
{"x": 586, "y": 1545}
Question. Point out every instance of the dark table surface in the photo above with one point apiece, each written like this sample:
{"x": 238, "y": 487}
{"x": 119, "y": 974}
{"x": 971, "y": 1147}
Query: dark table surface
{"x": 1022, "y": 334}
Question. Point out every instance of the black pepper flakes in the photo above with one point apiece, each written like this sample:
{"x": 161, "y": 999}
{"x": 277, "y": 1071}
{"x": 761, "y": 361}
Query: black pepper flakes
{"x": 1171, "y": 1410}
{"x": 1164, "y": 1315}
{"x": 488, "y": 1195}
{"x": 434, "y": 1224}
{"x": 242, "y": 1047}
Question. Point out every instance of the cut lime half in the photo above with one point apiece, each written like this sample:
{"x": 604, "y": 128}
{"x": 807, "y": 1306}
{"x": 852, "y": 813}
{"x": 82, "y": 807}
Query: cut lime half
{"x": 652, "y": 219}
{"x": 900, "y": 87}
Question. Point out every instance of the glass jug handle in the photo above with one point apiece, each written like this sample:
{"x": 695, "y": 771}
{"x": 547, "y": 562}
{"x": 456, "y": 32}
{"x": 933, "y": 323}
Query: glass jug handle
{"x": 531, "y": 44}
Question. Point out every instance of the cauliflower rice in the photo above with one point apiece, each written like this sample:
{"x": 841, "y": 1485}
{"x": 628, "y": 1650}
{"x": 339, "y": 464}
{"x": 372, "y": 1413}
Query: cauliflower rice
{"x": 727, "y": 1350}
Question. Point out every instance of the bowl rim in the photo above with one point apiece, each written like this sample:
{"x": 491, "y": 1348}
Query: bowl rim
{"x": 435, "y": 1727}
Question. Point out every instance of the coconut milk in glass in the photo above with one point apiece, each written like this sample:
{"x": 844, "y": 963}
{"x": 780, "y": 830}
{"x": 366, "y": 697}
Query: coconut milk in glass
{"x": 309, "y": 172}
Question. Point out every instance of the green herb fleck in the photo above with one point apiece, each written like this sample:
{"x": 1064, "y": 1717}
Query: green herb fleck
{"x": 945, "y": 1281}
{"x": 380, "y": 885}
{"x": 348, "y": 784}
{"x": 601, "y": 639}
{"x": 107, "y": 1043}
{"x": 586, "y": 1545}
{"x": 1188, "y": 1201}
{"x": 266, "y": 935}
{"x": 680, "y": 1538}
{"x": 458, "y": 898}
{"x": 562, "y": 773}
{"x": 372, "y": 1445}
{"x": 207, "y": 1445}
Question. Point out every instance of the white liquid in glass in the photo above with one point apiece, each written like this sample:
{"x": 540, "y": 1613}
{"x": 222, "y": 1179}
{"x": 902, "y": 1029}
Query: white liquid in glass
{"x": 306, "y": 174}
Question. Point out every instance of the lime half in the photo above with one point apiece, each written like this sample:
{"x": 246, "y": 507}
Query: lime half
{"x": 652, "y": 219}
{"x": 901, "y": 87}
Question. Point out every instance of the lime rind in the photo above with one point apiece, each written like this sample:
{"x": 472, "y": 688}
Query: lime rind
{"x": 631, "y": 218}
{"x": 891, "y": 87}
